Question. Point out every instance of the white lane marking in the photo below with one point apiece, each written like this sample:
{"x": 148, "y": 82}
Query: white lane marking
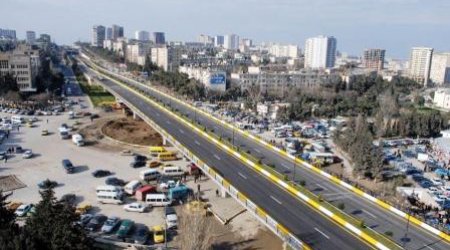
{"x": 217, "y": 157}
{"x": 243, "y": 176}
{"x": 196, "y": 142}
{"x": 428, "y": 247}
{"x": 322, "y": 233}
{"x": 257, "y": 150}
{"x": 157, "y": 114}
{"x": 181, "y": 131}
{"x": 372, "y": 215}
{"x": 168, "y": 122}
{"x": 284, "y": 165}
{"x": 275, "y": 199}
{"x": 322, "y": 187}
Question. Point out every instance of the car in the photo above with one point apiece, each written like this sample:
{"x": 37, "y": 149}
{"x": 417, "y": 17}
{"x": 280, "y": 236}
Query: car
{"x": 69, "y": 199}
{"x": 158, "y": 234}
{"x": 135, "y": 207}
{"x": 22, "y": 210}
{"x": 168, "y": 184}
{"x": 28, "y": 154}
{"x": 114, "y": 181}
{"x": 127, "y": 152}
{"x": 169, "y": 210}
{"x": 154, "y": 164}
{"x": 44, "y": 132}
{"x": 96, "y": 222}
{"x": 84, "y": 219}
{"x": 137, "y": 164}
{"x": 141, "y": 234}
{"x": 18, "y": 149}
{"x": 68, "y": 166}
{"x": 125, "y": 228}
{"x": 47, "y": 184}
{"x": 140, "y": 158}
{"x": 101, "y": 173}
{"x": 83, "y": 208}
{"x": 109, "y": 225}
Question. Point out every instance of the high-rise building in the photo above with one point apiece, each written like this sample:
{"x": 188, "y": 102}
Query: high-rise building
{"x": 218, "y": 41}
{"x": 231, "y": 41}
{"x": 98, "y": 35}
{"x": 31, "y": 37}
{"x": 205, "y": 39}
{"x": 420, "y": 64}
{"x": 108, "y": 33}
{"x": 8, "y": 34}
{"x": 440, "y": 68}
{"x": 45, "y": 38}
{"x": 117, "y": 32}
{"x": 320, "y": 52}
{"x": 142, "y": 35}
{"x": 279, "y": 50}
{"x": 158, "y": 38}
{"x": 374, "y": 59}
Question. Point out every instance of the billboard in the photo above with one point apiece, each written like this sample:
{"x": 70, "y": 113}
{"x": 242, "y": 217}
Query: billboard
{"x": 217, "y": 78}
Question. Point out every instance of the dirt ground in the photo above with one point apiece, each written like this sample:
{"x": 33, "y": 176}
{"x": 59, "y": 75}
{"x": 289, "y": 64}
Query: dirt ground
{"x": 132, "y": 131}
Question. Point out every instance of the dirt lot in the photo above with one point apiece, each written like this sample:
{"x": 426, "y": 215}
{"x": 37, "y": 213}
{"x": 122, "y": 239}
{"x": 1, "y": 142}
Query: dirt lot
{"x": 132, "y": 131}
{"x": 10, "y": 182}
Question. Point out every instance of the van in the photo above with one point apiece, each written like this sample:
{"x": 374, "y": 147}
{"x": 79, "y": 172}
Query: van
{"x": 172, "y": 171}
{"x": 109, "y": 189}
{"x": 132, "y": 186}
{"x": 154, "y": 151}
{"x": 109, "y": 197}
{"x": 157, "y": 200}
{"x": 78, "y": 140}
{"x": 149, "y": 174}
{"x": 167, "y": 156}
{"x": 17, "y": 119}
{"x": 179, "y": 193}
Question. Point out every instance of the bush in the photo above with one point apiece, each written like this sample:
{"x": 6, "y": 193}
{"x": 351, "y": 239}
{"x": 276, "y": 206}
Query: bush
{"x": 389, "y": 233}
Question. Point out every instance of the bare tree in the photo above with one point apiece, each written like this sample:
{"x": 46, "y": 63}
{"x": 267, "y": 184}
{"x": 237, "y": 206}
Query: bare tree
{"x": 254, "y": 95}
{"x": 195, "y": 230}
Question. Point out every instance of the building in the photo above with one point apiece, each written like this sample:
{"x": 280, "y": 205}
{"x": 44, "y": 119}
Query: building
{"x": 98, "y": 35}
{"x": 218, "y": 41}
{"x": 31, "y": 37}
{"x": 420, "y": 64}
{"x": 212, "y": 79}
{"x": 7, "y": 34}
{"x": 45, "y": 38}
{"x": 442, "y": 98}
{"x": 142, "y": 35}
{"x": 279, "y": 50}
{"x": 136, "y": 53}
{"x": 23, "y": 63}
{"x": 320, "y": 52}
{"x": 117, "y": 32}
{"x": 158, "y": 38}
{"x": 374, "y": 59}
{"x": 205, "y": 39}
{"x": 440, "y": 68}
{"x": 108, "y": 33}
{"x": 231, "y": 42}
{"x": 166, "y": 57}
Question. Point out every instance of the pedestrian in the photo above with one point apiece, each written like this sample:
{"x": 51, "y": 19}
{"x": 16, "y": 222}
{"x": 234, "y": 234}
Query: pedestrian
{"x": 198, "y": 188}
{"x": 217, "y": 192}
{"x": 47, "y": 120}
{"x": 6, "y": 158}
{"x": 18, "y": 128}
{"x": 195, "y": 178}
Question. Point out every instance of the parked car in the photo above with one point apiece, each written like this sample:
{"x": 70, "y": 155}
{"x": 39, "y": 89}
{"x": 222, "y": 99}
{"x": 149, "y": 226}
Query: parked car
{"x": 44, "y": 132}
{"x": 141, "y": 234}
{"x": 158, "y": 234}
{"x": 114, "y": 181}
{"x": 69, "y": 199}
{"x": 101, "y": 173}
{"x": 125, "y": 228}
{"x": 109, "y": 225}
{"x": 154, "y": 164}
{"x": 27, "y": 155}
{"x": 22, "y": 210}
{"x": 137, "y": 164}
{"x": 96, "y": 222}
{"x": 84, "y": 219}
{"x": 47, "y": 184}
{"x": 68, "y": 166}
{"x": 135, "y": 207}
{"x": 167, "y": 184}
{"x": 83, "y": 208}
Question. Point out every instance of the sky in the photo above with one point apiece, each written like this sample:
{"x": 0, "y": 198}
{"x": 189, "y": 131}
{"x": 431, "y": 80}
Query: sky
{"x": 395, "y": 25}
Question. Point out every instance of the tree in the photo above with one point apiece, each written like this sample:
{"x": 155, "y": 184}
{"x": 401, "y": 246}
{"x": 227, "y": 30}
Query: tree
{"x": 196, "y": 230}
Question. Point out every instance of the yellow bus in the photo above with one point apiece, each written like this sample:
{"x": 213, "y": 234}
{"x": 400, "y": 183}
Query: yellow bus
{"x": 154, "y": 151}
{"x": 167, "y": 156}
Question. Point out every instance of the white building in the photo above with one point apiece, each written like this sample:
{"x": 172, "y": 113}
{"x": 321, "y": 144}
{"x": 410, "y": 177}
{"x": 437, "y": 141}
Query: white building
{"x": 98, "y": 35}
{"x": 166, "y": 57}
{"x": 320, "y": 52}
{"x": 279, "y": 50}
{"x": 205, "y": 39}
{"x": 218, "y": 41}
{"x": 442, "y": 99}
{"x": 212, "y": 79}
{"x": 231, "y": 42}
{"x": 142, "y": 35}
{"x": 31, "y": 37}
{"x": 420, "y": 64}
{"x": 440, "y": 68}
{"x": 136, "y": 53}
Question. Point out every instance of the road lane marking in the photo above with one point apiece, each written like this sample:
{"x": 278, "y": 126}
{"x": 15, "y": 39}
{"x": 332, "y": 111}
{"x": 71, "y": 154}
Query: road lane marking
{"x": 196, "y": 142}
{"x": 428, "y": 247}
{"x": 243, "y": 176}
{"x": 157, "y": 114}
{"x": 181, "y": 131}
{"x": 217, "y": 157}
{"x": 275, "y": 199}
{"x": 168, "y": 122}
{"x": 372, "y": 215}
{"x": 257, "y": 150}
{"x": 322, "y": 187}
{"x": 285, "y": 166}
{"x": 322, "y": 233}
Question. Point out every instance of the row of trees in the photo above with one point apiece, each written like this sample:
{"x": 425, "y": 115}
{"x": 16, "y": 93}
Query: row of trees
{"x": 53, "y": 226}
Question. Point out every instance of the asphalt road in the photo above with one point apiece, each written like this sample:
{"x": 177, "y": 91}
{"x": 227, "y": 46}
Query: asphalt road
{"x": 409, "y": 236}
{"x": 307, "y": 224}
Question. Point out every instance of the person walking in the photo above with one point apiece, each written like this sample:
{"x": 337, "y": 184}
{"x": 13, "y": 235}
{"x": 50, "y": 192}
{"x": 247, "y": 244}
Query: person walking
{"x": 6, "y": 158}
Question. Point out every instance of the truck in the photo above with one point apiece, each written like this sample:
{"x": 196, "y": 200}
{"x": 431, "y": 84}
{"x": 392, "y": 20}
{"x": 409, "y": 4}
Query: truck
{"x": 78, "y": 140}
{"x": 143, "y": 191}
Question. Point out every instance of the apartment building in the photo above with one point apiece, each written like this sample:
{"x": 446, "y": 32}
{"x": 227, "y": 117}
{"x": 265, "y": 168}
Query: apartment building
{"x": 212, "y": 79}
{"x": 442, "y": 98}
{"x": 98, "y": 35}
{"x": 420, "y": 64}
{"x": 440, "y": 68}
{"x": 136, "y": 53}
{"x": 279, "y": 50}
{"x": 166, "y": 57}
{"x": 320, "y": 52}
{"x": 373, "y": 59}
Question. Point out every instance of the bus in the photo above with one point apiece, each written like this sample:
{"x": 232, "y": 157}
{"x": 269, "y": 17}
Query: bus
{"x": 167, "y": 156}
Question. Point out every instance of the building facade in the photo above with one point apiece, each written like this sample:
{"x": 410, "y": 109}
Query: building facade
{"x": 374, "y": 59}
{"x": 108, "y": 33}
{"x": 231, "y": 42}
{"x": 218, "y": 41}
{"x": 116, "y": 32}
{"x": 440, "y": 68}
{"x": 205, "y": 39}
{"x": 159, "y": 38}
{"x": 212, "y": 79}
{"x": 320, "y": 52}
{"x": 8, "y": 34}
{"x": 442, "y": 98}
{"x": 136, "y": 53}
{"x": 31, "y": 37}
{"x": 98, "y": 35}
{"x": 420, "y": 64}
{"x": 142, "y": 35}
{"x": 279, "y": 50}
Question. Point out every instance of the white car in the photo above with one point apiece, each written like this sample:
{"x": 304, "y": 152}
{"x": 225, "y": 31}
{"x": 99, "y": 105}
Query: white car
{"x": 22, "y": 210}
{"x": 28, "y": 154}
{"x": 168, "y": 184}
{"x": 135, "y": 207}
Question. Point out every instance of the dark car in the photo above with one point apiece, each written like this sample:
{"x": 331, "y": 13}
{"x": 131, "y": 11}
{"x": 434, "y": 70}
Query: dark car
{"x": 101, "y": 173}
{"x": 84, "y": 219}
{"x": 140, "y": 158}
{"x": 69, "y": 199}
{"x": 47, "y": 184}
{"x": 68, "y": 166}
{"x": 169, "y": 210}
{"x": 137, "y": 164}
{"x": 141, "y": 234}
{"x": 96, "y": 222}
{"x": 114, "y": 181}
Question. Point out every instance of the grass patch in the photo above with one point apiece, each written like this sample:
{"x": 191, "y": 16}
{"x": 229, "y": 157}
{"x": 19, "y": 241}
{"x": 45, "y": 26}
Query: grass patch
{"x": 97, "y": 94}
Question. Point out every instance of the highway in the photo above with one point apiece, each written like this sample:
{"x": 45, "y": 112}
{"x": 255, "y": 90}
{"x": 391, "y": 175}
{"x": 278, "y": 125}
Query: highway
{"x": 405, "y": 234}
{"x": 308, "y": 225}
